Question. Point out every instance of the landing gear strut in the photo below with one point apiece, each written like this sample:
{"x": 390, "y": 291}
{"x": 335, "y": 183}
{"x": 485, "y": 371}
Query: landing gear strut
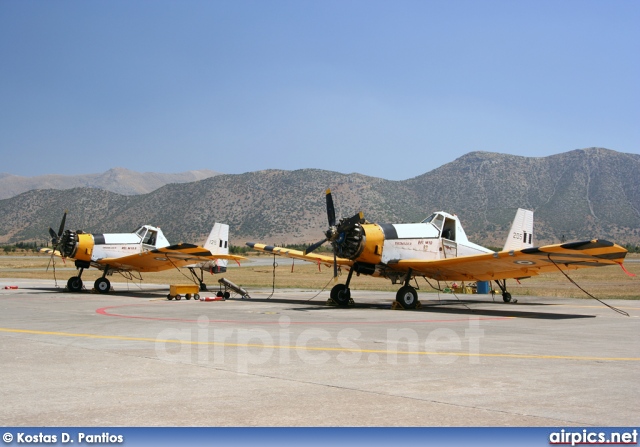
{"x": 506, "y": 296}
{"x": 200, "y": 279}
{"x": 341, "y": 294}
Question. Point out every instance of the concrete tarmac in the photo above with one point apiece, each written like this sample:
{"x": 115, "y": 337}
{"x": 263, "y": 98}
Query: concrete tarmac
{"x": 133, "y": 358}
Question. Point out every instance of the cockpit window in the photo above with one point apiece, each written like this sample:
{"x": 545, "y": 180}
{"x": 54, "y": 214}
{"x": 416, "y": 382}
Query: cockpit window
{"x": 141, "y": 232}
{"x": 438, "y": 221}
{"x": 429, "y": 219}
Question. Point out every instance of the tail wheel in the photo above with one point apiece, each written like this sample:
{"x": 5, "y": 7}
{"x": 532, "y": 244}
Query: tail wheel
{"x": 407, "y": 297}
{"x": 102, "y": 285}
{"x": 74, "y": 284}
{"x": 341, "y": 295}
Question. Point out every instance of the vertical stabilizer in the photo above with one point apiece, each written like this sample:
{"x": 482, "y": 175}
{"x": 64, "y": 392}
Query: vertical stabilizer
{"x": 218, "y": 242}
{"x": 521, "y": 232}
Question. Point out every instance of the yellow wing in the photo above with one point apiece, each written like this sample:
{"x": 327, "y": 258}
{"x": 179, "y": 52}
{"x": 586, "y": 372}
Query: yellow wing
{"x": 50, "y": 251}
{"x": 517, "y": 264}
{"x": 164, "y": 258}
{"x": 311, "y": 257}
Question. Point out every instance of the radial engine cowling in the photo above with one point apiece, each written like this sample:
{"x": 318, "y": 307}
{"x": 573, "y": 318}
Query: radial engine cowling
{"x": 350, "y": 243}
{"x": 69, "y": 244}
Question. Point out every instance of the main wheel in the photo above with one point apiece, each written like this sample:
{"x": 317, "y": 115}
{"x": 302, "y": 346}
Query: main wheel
{"x": 341, "y": 295}
{"x": 407, "y": 297}
{"x": 506, "y": 297}
{"x": 203, "y": 287}
{"x": 102, "y": 285}
{"x": 74, "y": 284}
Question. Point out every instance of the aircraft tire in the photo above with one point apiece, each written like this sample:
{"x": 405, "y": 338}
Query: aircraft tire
{"x": 102, "y": 285}
{"x": 506, "y": 297}
{"x": 341, "y": 295}
{"x": 407, "y": 297}
{"x": 74, "y": 284}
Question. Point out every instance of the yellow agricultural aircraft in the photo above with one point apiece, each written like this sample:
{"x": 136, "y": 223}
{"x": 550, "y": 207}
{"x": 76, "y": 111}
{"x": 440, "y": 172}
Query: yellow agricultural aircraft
{"x": 438, "y": 248}
{"x": 144, "y": 250}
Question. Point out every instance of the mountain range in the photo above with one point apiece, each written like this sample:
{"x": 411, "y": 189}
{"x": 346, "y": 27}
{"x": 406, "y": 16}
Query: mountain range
{"x": 581, "y": 194}
{"x": 118, "y": 180}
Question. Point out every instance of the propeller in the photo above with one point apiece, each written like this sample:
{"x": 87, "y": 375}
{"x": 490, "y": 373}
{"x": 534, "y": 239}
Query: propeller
{"x": 56, "y": 238}
{"x": 345, "y": 237}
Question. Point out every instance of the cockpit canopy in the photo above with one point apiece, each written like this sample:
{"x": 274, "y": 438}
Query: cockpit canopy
{"x": 443, "y": 222}
{"x": 148, "y": 235}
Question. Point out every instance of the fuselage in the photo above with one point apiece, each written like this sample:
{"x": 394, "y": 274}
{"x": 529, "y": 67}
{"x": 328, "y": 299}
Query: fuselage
{"x": 90, "y": 248}
{"x": 440, "y": 236}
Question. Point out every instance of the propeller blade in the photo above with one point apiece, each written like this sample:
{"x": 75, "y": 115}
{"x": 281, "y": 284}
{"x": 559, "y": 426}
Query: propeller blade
{"x": 64, "y": 219}
{"x": 313, "y": 247}
{"x": 52, "y": 233}
{"x": 357, "y": 219}
{"x": 335, "y": 266}
{"x": 331, "y": 212}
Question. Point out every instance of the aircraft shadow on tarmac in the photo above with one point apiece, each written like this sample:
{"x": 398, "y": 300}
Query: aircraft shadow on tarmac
{"x": 441, "y": 307}
{"x": 438, "y": 308}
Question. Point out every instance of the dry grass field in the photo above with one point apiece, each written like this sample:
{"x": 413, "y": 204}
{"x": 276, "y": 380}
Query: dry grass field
{"x": 605, "y": 282}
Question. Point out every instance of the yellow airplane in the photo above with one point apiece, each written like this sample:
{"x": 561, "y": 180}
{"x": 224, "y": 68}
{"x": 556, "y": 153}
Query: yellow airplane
{"x": 144, "y": 250}
{"x": 438, "y": 248}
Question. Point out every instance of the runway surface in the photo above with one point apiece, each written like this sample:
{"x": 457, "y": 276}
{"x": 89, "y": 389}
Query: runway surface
{"x": 133, "y": 358}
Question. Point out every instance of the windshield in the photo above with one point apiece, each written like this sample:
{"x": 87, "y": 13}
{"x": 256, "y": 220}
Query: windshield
{"x": 141, "y": 232}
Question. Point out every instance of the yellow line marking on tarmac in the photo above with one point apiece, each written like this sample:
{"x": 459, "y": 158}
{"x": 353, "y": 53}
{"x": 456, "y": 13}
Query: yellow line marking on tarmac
{"x": 320, "y": 348}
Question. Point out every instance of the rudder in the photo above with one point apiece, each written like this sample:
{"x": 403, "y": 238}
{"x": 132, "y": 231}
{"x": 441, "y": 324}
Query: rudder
{"x": 521, "y": 233}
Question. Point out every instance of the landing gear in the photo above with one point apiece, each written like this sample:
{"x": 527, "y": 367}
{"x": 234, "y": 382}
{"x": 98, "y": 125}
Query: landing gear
{"x": 74, "y": 284}
{"x": 506, "y": 296}
{"x": 341, "y": 294}
{"x": 200, "y": 279}
{"x": 407, "y": 296}
{"x": 102, "y": 285}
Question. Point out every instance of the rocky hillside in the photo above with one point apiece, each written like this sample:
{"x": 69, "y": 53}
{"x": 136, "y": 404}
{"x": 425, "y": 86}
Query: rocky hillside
{"x": 575, "y": 195}
{"x": 118, "y": 180}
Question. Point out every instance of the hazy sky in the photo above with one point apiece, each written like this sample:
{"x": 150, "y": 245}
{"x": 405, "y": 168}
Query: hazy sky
{"x": 390, "y": 89}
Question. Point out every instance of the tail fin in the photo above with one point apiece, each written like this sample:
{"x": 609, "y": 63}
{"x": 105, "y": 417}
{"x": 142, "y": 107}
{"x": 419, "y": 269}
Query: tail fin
{"x": 521, "y": 232}
{"x": 218, "y": 244}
